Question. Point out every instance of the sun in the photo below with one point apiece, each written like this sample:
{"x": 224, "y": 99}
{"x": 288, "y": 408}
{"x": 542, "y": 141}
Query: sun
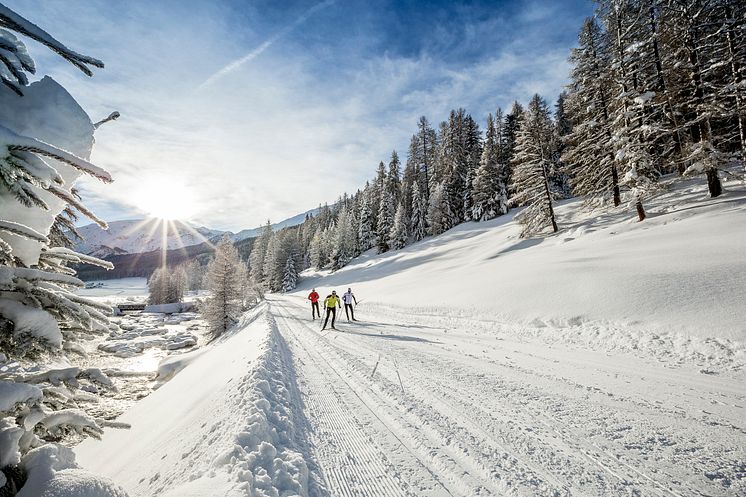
{"x": 164, "y": 198}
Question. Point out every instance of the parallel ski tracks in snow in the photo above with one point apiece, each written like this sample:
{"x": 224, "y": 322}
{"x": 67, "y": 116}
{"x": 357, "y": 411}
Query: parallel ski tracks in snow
{"x": 467, "y": 426}
{"x": 353, "y": 463}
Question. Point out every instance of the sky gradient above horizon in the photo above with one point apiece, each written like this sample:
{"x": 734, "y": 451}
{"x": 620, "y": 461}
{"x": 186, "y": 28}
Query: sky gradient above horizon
{"x": 262, "y": 111}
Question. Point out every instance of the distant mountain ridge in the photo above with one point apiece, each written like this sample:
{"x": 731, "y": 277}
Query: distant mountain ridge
{"x": 136, "y": 236}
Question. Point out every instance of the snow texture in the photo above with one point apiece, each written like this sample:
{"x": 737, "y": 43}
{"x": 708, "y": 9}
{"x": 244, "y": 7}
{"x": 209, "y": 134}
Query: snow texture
{"x": 49, "y": 114}
{"x": 230, "y": 425}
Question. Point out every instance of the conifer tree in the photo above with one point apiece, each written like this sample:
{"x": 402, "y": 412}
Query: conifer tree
{"x": 589, "y": 147}
{"x": 399, "y": 235}
{"x": 393, "y": 180}
{"x": 366, "y": 235}
{"x": 385, "y": 219}
{"x": 418, "y": 222}
{"x": 490, "y": 193}
{"x": 531, "y": 164}
{"x": 290, "y": 276}
{"x": 259, "y": 254}
{"x": 427, "y": 143}
{"x": 507, "y": 149}
{"x": 438, "y": 215}
{"x": 224, "y": 281}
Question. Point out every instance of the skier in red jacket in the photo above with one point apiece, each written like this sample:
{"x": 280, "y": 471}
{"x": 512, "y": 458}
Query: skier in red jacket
{"x": 314, "y": 298}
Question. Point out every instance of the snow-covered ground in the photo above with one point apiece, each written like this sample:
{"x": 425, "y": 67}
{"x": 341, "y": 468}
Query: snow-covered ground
{"x": 133, "y": 350}
{"x": 606, "y": 360}
{"x": 117, "y": 290}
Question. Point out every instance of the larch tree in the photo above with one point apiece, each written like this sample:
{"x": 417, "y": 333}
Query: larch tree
{"x": 531, "y": 169}
{"x": 589, "y": 147}
{"x": 224, "y": 282}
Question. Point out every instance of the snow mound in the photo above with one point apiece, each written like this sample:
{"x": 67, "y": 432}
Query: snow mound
{"x": 52, "y": 472}
{"x": 223, "y": 426}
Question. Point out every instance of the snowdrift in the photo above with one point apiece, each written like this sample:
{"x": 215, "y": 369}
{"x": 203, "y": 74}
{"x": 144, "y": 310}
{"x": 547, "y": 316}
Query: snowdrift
{"x": 224, "y": 426}
{"x": 681, "y": 273}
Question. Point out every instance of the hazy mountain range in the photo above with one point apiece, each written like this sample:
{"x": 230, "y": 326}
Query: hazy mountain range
{"x": 146, "y": 235}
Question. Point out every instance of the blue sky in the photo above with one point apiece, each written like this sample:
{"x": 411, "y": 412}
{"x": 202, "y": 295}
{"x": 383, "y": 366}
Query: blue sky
{"x": 263, "y": 109}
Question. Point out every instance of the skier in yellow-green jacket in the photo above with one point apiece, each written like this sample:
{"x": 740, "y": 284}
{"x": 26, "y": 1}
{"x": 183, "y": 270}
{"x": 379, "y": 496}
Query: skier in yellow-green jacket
{"x": 331, "y": 303}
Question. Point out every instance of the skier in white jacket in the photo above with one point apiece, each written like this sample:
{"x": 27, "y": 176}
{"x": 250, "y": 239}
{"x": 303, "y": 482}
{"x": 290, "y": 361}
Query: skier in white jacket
{"x": 348, "y": 298}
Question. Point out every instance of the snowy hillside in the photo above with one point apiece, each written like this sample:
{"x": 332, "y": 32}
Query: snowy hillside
{"x": 683, "y": 269}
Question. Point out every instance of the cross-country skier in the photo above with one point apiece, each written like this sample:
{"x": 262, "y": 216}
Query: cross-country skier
{"x": 314, "y": 298}
{"x": 330, "y": 304}
{"x": 348, "y": 298}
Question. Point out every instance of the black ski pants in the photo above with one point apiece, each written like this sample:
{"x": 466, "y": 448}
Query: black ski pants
{"x": 351, "y": 312}
{"x": 333, "y": 312}
{"x": 315, "y": 310}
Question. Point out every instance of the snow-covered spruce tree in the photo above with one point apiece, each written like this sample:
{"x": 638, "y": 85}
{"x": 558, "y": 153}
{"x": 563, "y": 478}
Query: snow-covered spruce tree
{"x": 559, "y": 179}
{"x": 345, "y": 241}
{"x": 224, "y": 281}
{"x": 507, "y": 148}
{"x": 259, "y": 253}
{"x": 399, "y": 235}
{"x": 427, "y": 142}
{"x": 365, "y": 234}
{"x": 290, "y": 277}
{"x": 272, "y": 271}
{"x": 385, "y": 219}
{"x": 472, "y": 145}
{"x": 45, "y": 141}
{"x": 530, "y": 173}
{"x": 393, "y": 179}
{"x": 438, "y": 215}
{"x": 490, "y": 198}
{"x": 418, "y": 223}
{"x": 410, "y": 176}
{"x": 589, "y": 148}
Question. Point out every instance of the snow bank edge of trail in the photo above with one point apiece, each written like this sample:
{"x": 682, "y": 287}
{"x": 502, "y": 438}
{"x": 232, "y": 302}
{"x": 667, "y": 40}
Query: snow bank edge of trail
{"x": 253, "y": 403}
{"x": 268, "y": 454}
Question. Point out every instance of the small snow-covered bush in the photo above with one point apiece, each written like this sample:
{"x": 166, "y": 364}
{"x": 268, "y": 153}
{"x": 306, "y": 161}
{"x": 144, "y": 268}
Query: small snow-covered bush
{"x": 45, "y": 142}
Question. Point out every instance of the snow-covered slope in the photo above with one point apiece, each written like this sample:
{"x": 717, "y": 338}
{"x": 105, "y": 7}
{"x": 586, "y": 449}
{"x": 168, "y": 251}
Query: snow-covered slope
{"x": 683, "y": 269}
{"x": 607, "y": 360}
{"x": 133, "y": 236}
{"x": 224, "y": 426}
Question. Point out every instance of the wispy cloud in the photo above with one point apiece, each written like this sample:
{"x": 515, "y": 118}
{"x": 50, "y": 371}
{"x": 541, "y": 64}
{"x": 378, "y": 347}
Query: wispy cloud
{"x": 265, "y": 45}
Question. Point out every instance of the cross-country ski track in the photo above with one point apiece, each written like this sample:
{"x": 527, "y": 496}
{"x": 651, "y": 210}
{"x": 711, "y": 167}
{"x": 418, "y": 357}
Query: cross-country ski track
{"x": 454, "y": 410}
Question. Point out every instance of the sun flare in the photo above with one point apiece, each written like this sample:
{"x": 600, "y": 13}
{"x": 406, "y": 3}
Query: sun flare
{"x": 164, "y": 198}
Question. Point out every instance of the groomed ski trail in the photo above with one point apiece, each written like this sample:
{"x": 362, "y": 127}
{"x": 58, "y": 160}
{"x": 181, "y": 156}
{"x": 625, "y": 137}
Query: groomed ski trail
{"x": 452, "y": 410}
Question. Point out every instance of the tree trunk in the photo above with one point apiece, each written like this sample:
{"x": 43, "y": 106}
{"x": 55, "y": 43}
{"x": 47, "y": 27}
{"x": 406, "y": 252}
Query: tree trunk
{"x": 713, "y": 183}
{"x": 615, "y": 179}
{"x": 640, "y": 210}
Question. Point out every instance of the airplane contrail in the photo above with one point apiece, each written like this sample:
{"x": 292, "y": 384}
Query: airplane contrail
{"x": 264, "y": 46}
